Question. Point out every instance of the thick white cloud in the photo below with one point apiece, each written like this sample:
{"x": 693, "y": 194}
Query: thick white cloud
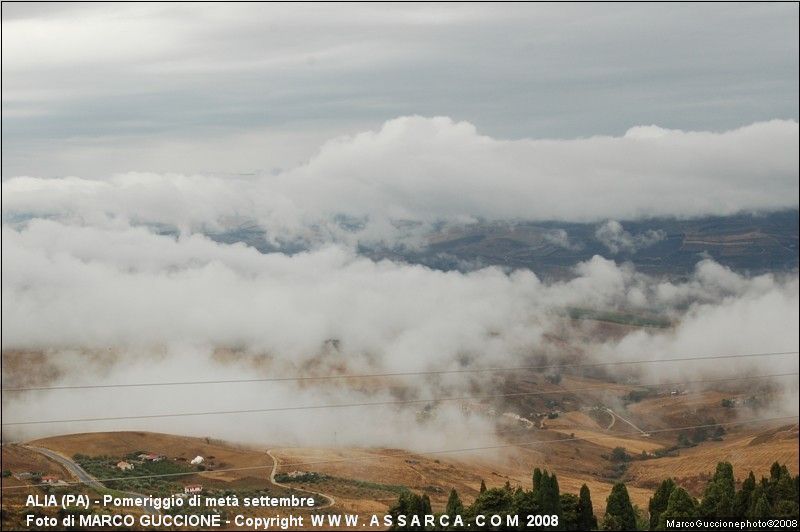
{"x": 431, "y": 169}
{"x": 122, "y": 304}
{"x": 66, "y": 285}
{"x": 614, "y": 237}
{"x": 84, "y": 272}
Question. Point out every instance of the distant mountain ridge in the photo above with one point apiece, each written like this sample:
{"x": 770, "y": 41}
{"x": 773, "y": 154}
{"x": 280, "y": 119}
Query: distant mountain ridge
{"x": 746, "y": 243}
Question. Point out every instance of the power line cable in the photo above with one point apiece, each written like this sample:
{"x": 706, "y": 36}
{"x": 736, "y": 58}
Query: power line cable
{"x": 380, "y": 403}
{"x": 395, "y": 374}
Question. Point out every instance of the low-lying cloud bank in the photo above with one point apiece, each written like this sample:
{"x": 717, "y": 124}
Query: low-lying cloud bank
{"x": 426, "y": 170}
{"x": 77, "y": 286}
{"x": 88, "y": 279}
{"x": 163, "y": 307}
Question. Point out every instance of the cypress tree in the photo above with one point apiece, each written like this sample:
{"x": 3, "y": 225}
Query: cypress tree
{"x": 408, "y": 504}
{"x": 550, "y": 498}
{"x": 742, "y": 500}
{"x": 537, "y": 479}
{"x": 619, "y": 510}
{"x": 784, "y": 489}
{"x": 425, "y": 507}
{"x": 761, "y": 508}
{"x": 454, "y": 504}
{"x": 681, "y": 506}
{"x": 659, "y": 501}
{"x": 586, "y": 518}
{"x": 555, "y": 496}
{"x": 781, "y": 486}
{"x": 547, "y": 495}
{"x": 483, "y": 486}
{"x": 723, "y": 478}
{"x": 775, "y": 471}
{"x": 541, "y": 481}
{"x": 719, "y": 495}
{"x": 759, "y": 492}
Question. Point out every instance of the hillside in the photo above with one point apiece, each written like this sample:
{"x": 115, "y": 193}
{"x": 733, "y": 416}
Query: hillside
{"x": 745, "y": 243}
{"x": 368, "y": 480}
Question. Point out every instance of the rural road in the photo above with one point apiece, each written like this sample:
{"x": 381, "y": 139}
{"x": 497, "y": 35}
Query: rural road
{"x": 274, "y": 472}
{"x": 81, "y": 474}
{"x": 614, "y": 416}
{"x": 613, "y": 419}
{"x": 76, "y": 470}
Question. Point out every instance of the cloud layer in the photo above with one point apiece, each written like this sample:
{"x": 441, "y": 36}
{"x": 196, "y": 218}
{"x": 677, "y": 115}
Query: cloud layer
{"x": 123, "y": 304}
{"x": 427, "y": 170}
{"x": 95, "y": 275}
{"x": 91, "y": 89}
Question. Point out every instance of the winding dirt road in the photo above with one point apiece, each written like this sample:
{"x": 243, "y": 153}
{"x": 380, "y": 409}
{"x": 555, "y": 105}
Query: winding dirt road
{"x": 615, "y": 416}
{"x": 276, "y": 463}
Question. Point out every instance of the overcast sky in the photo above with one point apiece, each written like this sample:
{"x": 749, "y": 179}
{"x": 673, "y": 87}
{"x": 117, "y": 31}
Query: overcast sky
{"x": 91, "y": 90}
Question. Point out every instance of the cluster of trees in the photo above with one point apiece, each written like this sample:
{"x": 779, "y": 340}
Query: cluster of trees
{"x": 775, "y": 497}
{"x": 105, "y": 467}
{"x": 701, "y": 434}
{"x": 574, "y": 512}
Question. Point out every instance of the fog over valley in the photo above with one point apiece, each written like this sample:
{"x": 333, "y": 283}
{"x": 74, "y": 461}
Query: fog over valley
{"x": 111, "y": 286}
